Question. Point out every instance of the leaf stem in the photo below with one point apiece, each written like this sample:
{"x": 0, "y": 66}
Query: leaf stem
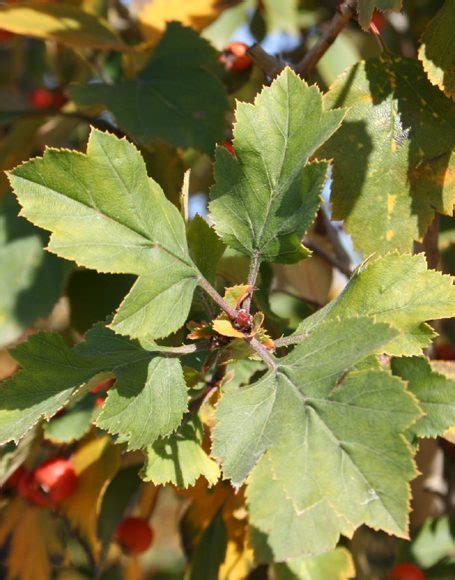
{"x": 266, "y": 356}
{"x": 217, "y": 298}
{"x": 288, "y": 340}
{"x": 252, "y": 276}
{"x": 187, "y": 348}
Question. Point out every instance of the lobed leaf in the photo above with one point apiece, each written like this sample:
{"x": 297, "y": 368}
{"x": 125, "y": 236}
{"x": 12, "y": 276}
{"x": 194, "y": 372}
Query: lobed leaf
{"x": 434, "y": 391}
{"x": 147, "y": 401}
{"x": 393, "y": 156}
{"x": 265, "y": 197}
{"x": 105, "y": 213}
{"x": 320, "y": 442}
{"x": 179, "y": 459}
{"x": 397, "y": 289}
{"x": 249, "y": 419}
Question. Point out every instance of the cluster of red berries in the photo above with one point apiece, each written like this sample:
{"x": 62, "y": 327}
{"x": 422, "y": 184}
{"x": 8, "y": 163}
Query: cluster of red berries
{"x": 43, "y": 98}
{"x": 235, "y": 58}
{"x": 406, "y": 571}
{"x": 46, "y": 486}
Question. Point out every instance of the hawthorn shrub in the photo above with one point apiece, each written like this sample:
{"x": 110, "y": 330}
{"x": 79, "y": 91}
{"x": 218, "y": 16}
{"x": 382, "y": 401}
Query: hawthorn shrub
{"x": 226, "y": 291}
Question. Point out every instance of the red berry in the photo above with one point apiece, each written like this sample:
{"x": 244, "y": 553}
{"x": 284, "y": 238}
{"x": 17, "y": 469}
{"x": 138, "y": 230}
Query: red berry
{"x": 5, "y": 35}
{"x": 29, "y": 490}
{"x": 445, "y": 351}
{"x": 228, "y": 145}
{"x": 378, "y": 22}
{"x": 99, "y": 401}
{"x": 102, "y": 386}
{"x": 42, "y": 98}
{"x": 406, "y": 571}
{"x": 235, "y": 57}
{"x": 134, "y": 535}
{"x": 244, "y": 319}
{"x": 57, "y": 478}
{"x": 59, "y": 99}
{"x": 14, "y": 479}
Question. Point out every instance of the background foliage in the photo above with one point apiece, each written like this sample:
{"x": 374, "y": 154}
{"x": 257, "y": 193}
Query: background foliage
{"x": 226, "y": 294}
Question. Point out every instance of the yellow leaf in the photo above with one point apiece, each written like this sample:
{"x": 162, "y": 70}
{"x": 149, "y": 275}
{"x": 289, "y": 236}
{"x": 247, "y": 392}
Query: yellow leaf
{"x": 205, "y": 503}
{"x": 34, "y": 541}
{"x": 61, "y": 22}
{"x": 95, "y": 462}
{"x": 196, "y": 13}
{"x": 224, "y": 327}
{"x": 235, "y": 295}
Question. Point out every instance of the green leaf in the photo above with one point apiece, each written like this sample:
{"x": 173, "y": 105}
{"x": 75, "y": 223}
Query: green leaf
{"x": 73, "y": 424}
{"x": 31, "y": 280}
{"x": 115, "y": 502}
{"x": 310, "y": 412}
{"x": 93, "y": 296}
{"x": 437, "y": 58}
{"x": 50, "y": 375}
{"x": 367, "y": 7}
{"x": 180, "y": 459}
{"x": 266, "y": 196}
{"x": 433, "y": 542}
{"x": 210, "y": 551}
{"x": 336, "y": 565}
{"x": 434, "y": 391}
{"x": 206, "y": 248}
{"x": 397, "y": 289}
{"x": 105, "y": 213}
{"x": 249, "y": 419}
{"x": 342, "y": 460}
{"x": 149, "y": 397}
{"x": 147, "y": 401}
{"x": 393, "y": 156}
{"x": 63, "y": 23}
{"x": 175, "y": 98}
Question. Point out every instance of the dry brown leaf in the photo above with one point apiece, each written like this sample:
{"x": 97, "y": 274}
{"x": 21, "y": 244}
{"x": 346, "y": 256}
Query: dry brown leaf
{"x": 34, "y": 540}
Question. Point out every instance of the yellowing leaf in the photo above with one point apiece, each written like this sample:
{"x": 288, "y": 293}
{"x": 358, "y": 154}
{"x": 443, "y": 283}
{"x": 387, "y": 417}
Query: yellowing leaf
{"x": 224, "y": 327}
{"x": 61, "y": 22}
{"x": 235, "y": 295}
{"x": 34, "y": 541}
{"x": 96, "y": 462}
{"x": 436, "y": 53}
{"x": 155, "y": 15}
{"x": 336, "y": 565}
